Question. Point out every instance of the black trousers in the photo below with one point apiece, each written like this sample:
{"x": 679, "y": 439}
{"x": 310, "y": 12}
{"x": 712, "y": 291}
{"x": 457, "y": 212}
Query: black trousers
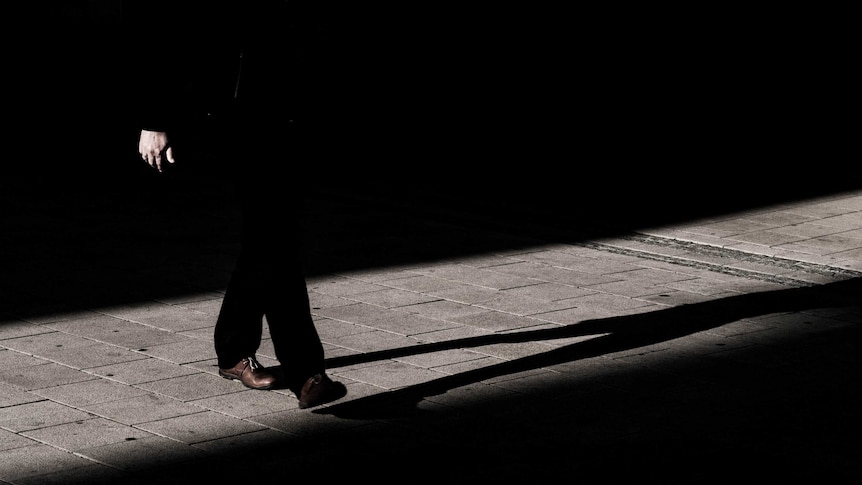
{"x": 268, "y": 281}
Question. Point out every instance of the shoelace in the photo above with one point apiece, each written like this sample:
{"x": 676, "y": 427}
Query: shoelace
{"x": 253, "y": 363}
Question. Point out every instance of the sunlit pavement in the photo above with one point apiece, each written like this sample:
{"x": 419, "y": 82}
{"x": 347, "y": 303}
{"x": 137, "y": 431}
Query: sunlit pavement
{"x": 714, "y": 348}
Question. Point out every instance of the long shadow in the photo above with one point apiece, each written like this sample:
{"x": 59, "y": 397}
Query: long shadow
{"x": 614, "y": 334}
{"x": 713, "y": 436}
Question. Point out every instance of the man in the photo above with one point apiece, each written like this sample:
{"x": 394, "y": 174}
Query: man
{"x": 239, "y": 66}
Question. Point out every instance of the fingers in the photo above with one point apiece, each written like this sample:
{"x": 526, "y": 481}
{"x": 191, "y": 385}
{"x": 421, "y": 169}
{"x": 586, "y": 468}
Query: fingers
{"x": 153, "y": 160}
{"x": 157, "y": 160}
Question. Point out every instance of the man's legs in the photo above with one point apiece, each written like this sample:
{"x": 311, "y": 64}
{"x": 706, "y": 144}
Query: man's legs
{"x": 273, "y": 247}
{"x": 269, "y": 279}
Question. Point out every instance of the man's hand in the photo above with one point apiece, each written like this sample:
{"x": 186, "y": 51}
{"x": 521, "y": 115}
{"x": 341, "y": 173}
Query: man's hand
{"x": 155, "y": 148}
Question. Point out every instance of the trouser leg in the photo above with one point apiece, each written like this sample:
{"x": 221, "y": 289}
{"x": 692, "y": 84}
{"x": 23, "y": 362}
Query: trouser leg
{"x": 269, "y": 282}
{"x": 239, "y": 326}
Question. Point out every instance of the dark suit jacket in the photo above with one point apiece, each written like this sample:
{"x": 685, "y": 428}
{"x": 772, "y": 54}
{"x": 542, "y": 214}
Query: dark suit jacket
{"x": 194, "y": 58}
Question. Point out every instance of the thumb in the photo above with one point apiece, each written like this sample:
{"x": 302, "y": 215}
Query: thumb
{"x": 169, "y": 154}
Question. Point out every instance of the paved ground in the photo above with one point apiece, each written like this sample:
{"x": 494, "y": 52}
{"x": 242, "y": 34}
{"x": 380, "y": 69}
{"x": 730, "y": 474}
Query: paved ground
{"x": 648, "y": 272}
{"x": 481, "y": 338}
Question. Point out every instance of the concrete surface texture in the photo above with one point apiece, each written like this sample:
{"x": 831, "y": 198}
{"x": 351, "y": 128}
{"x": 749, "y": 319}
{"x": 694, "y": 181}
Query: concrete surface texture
{"x": 482, "y": 337}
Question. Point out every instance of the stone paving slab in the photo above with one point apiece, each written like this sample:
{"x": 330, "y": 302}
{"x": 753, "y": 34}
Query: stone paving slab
{"x": 673, "y": 350}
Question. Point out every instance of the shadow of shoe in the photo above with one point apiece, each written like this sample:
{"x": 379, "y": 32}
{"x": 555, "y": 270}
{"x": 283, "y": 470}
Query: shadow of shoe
{"x": 391, "y": 404}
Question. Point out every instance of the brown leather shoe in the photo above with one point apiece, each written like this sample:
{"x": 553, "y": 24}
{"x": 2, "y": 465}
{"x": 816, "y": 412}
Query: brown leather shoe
{"x": 320, "y": 389}
{"x": 251, "y": 373}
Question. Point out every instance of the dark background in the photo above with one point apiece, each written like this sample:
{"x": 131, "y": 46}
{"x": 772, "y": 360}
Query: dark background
{"x": 543, "y": 121}
{"x": 632, "y": 109}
